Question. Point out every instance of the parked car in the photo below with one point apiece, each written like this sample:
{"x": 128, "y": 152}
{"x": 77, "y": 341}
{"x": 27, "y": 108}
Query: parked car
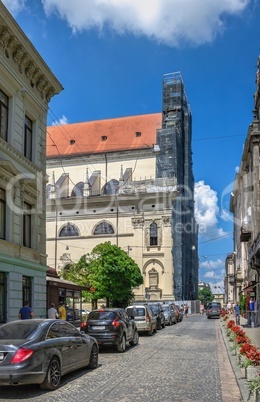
{"x": 213, "y": 310}
{"x": 179, "y": 312}
{"x": 40, "y": 351}
{"x": 73, "y": 315}
{"x": 111, "y": 327}
{"x": 170, "y": 314}
{"x": 144, "y": 318}
{"x": 158, "y": 311}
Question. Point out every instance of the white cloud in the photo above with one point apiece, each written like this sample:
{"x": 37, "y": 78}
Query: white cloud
{"x": 62, "y": 120}
{"x": 207, "y": 210}
{"x": 212, "y": 265}
{"x": 14, "y": 6}
{"x": 167, "y": 21}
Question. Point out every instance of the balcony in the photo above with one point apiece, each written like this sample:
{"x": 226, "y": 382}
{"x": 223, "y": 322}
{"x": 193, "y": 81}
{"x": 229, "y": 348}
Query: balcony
{"x": 245, "y": 233}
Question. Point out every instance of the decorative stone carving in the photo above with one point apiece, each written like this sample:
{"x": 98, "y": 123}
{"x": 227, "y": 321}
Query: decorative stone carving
{"x": 4, "y": 37}
{"x": 166, "y": 220}
{"x": 25, "y": 63}
{"x": 138, "y": 222}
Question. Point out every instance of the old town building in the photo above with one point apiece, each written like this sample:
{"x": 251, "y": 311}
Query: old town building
{"x": 245, "y": 205}
{"x": 26, "y": 87}
{"x": 129, "y": 181}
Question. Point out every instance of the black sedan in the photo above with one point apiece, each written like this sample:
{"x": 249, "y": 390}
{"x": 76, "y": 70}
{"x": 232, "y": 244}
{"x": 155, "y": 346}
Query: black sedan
{"x": 40, "y": 351}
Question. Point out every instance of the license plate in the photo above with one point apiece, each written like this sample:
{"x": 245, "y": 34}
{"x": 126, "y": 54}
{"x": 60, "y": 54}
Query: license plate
{"x": 1, "y": 356}
{"x": 99, "y": 327}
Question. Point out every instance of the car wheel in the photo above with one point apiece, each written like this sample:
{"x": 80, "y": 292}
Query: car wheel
{"x": 53, "y": 375}
{"x": 208, "y": 316}
{"x": 93, "y": 361}
{"x": 122, "y": 345}
{"x": 159, "y": 324}
{"x": 135, "y": 340}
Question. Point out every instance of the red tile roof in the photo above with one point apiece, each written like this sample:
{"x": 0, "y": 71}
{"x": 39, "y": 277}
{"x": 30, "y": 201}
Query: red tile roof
{"x": 103, "y": 135}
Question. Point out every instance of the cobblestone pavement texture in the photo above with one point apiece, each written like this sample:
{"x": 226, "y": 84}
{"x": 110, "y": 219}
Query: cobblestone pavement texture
{"x": 184, "y": 362}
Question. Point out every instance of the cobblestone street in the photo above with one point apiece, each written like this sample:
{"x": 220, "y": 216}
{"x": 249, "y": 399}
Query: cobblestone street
{"x": 180, "y": 363}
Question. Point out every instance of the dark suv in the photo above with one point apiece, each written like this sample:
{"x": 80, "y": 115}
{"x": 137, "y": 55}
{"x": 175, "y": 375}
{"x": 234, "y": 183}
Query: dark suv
{"x": 111, "y": 327}
{"x": 158, "y": 311}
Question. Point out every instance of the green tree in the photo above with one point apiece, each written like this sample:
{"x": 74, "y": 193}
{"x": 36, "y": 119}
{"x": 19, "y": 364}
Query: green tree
{"x": 205, "y": 295}
{"x": 110, "y": 274}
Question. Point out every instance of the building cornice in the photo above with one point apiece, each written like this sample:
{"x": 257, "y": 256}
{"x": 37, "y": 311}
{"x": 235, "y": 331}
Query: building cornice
{"x": 17, "y": 48}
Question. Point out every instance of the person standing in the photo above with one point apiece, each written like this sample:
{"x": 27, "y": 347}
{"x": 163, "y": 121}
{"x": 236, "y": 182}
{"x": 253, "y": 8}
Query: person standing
{"x": 62, "y": 311}
{"x": 186, "y": 310}
{"x": 52, "y": 312}
{"x": 25, "y": 312}
{"x": 237, "y": 313}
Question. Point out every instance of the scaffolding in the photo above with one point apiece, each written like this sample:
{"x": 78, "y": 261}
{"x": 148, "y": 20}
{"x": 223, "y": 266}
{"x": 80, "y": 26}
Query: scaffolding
{"x": 175, "y": 160}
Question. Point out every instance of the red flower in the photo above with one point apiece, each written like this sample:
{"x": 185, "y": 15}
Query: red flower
{"x": 247, "y": 347}
{"x": 231, "y": 324}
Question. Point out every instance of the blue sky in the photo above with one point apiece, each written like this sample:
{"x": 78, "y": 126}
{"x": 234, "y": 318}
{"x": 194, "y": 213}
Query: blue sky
{"x": 110, "y": 57}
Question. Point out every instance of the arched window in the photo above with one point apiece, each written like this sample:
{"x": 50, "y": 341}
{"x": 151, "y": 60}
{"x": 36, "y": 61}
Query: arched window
{"x": 111, "y": 187}
{"x": 78, "y": 190}
{"x": 104, "y": 228}
{"x": 69, "y": 230}
{"x": 153, "y": 234}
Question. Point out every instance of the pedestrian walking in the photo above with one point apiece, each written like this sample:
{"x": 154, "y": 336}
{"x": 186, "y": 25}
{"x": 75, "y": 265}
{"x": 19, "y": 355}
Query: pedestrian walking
{"x": 186, "y": 310}
{"x": 237, "y": 313}
{"x": 25, "y": 312}
{"x": 62, "y": 311}
{"x": 52, "y": 312}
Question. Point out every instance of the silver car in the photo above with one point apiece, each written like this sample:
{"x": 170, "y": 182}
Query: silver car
{"x": 144, "y": 318}
{"x": 169, "y": 314}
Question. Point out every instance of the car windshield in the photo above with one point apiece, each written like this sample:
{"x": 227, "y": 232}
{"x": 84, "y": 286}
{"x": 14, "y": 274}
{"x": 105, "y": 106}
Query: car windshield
{"x": 165, "y": 308}
{"x": 154, "y": 308}
{"x": 101, "y": 315}
{"x": 23, "y": 330}
{"x": 139, "y": 311}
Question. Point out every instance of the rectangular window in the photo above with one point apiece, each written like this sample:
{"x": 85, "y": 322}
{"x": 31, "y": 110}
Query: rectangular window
{"x": 27, "y": 290}
{"x": 2, "y": 214}
{"x": 3, "y": 115}
{"x": 28, "y": 124}
{"x": 3, "y": 292}
{"x": 27, "y": 225}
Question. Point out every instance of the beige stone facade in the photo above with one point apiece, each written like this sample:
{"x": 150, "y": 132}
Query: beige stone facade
{"x": 79, "y": 194}
{"x": 245, "y": 205}
{"x": 26, "y": 86}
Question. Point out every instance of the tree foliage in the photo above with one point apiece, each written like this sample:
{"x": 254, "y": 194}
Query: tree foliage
{"x": 205, "y": 295}
{"x": 110, "y": 274}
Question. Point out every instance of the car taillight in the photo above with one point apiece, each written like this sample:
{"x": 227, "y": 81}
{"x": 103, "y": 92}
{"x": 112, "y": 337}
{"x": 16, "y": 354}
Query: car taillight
{"x": 21, "y": 355}
{"x": 83, "y": 325}
{"x": 148, "y": 318}
{"x": 116, "y": 323}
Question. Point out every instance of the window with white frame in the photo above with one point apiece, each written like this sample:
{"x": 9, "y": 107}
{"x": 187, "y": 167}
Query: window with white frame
{"x": 28, "y": 129}
{"x": 27, "y": 225}
{"x": 3, "y": 115}
{"x": 153, "y": 234}
{"x": 2, "y": 213}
